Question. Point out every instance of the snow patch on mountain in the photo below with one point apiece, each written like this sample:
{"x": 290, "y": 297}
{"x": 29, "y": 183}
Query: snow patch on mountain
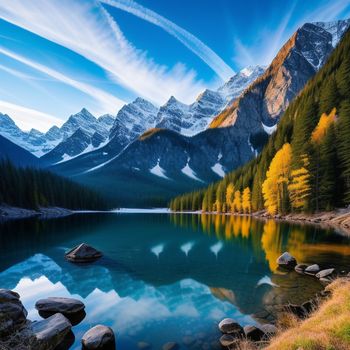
{"x": 159, "y": 171}
{"x": 218, "y": 169}
{"x": 189, "y": 172}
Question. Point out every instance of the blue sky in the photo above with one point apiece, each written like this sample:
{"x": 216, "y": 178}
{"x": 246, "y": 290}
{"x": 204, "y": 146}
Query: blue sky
{"x": 59, "y": 56}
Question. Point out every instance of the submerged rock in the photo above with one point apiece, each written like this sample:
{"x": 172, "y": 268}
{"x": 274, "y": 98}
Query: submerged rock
{"x": 13, "y": 315}
{"x": 170, "y": 346}
{"x": 287, "y": 261}
{"x": 230, "y": 326}
{"x": 52, "y": 331}
{"x": 71, "y": 308}
{"x": 297, "y": 310}
{"x": 99, "y": 338}
{"x": 253, "y": 333}
{"x": 83, "y": 253}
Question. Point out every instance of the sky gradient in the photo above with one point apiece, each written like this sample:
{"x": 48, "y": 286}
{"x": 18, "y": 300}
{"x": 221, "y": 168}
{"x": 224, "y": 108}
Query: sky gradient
{"x": 57, "y": 57}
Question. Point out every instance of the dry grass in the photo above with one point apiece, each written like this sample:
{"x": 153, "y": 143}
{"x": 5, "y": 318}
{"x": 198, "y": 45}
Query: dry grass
{"x": 327, "y": 329}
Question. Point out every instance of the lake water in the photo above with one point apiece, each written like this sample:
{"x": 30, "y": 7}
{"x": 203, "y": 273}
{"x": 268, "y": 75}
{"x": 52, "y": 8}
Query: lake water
{"x": 166, "y": 277}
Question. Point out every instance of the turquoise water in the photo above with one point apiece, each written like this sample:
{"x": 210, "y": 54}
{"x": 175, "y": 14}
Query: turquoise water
{"x": 166, "y": 277}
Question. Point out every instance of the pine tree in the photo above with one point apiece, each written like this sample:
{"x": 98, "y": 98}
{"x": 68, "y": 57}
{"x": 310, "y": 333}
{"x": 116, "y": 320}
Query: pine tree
{"x": 343, "y": 131}
{"x": 329, "y": 97}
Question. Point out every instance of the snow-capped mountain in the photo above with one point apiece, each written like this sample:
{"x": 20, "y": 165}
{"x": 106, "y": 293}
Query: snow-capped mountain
{"x": 133, "y": 119}
{"x": 192, "y": 119}
{"x": 235, "y": 135}
{"x": 40, "y": 143}
{"x": 81, "y": 133}
{"x": 33, "y": 141}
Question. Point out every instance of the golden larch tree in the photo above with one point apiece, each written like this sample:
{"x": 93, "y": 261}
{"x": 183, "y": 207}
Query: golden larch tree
{"x": 230, "y": 193}
{"x": 237, "y": 202}
{"x": 275, "y": 187}
{"x": 246, "y": 201}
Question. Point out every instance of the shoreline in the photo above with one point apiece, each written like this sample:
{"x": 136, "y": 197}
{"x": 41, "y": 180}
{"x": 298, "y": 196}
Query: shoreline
{"x": 336, "y": 219}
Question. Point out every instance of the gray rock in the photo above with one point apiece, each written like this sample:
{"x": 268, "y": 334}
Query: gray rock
{"x": 253, "y": 333}
{"x": 71, "y": 308}
{"x": 170, "y": 346}
{"x": 12, "y": 313}
{"x": 98, "y": 337}
{"x": 83, "y": 253}
{"x": 312, "y": 270}
{"x": 230, "y": 326}
{"x": 269, "y": 329}
{"x": 51, "y": 332}
{"x": 228, "y": 340}
{"x": 60, "y": 305}
{"x": 325, "y": 273}
{"x": 300, "y": 268}
{"x": 286, "y": 261}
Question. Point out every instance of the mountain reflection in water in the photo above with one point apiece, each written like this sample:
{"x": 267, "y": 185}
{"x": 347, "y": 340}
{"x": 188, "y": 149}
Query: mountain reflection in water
{"x": 165, "y": 277}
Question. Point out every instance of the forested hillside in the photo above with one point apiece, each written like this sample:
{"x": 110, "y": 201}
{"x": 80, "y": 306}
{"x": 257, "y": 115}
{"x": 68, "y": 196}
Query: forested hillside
{"x": 32, "y": 188}
{"x": 306, "y": 164}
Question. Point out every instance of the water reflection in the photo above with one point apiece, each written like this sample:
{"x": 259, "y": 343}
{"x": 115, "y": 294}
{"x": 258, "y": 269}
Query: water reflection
{"x": 207, "y": 267}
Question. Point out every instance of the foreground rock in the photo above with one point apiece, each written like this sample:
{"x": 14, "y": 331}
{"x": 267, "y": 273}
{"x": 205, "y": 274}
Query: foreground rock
{"x": 253, "y": 333}
{"x": 230, "y": 326}
{"x": 99, "y": 338}
{"x": 83, "y": 253}
{"x": 287, "y": 261}
{"x": 72, "y": 309}
{"x": 12, "y": 313}
{"x": 52, "y": 331}
{"x": 228, "y": 340}
{"x": 269, "y": 329}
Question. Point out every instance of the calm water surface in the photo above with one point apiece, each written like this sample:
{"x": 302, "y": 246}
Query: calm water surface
{"x": 166, "y": 277}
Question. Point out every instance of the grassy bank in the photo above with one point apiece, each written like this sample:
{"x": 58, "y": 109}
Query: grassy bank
{"x": 328, "y": 328}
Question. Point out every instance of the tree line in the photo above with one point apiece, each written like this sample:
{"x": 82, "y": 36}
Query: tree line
{"x": 305, "y": 166}
{"x": 33, "y": 188}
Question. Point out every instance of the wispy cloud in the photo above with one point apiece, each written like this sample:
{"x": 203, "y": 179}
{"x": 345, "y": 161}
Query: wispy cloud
{"x": 186, "y": 38}
{"x": 264, "y": 49}
{"x": 107, "y": 102}
{"x": 25, "y": 117}
{"x": 102, "y": 42}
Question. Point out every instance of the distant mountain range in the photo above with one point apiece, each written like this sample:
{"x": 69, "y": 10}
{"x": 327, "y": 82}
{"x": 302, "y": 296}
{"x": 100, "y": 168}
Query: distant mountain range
{"x": 177, "y": 147}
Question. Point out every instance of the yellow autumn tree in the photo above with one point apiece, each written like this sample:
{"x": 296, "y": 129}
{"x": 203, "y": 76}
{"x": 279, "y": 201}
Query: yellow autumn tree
{"x": 275, "y": 187}
{"x": 237, "y": 202}
{"x": 323, "y": 125}
{"x": 230, "y": 193}
{"x": 246, "y": 201}
{"x": 299, "y": 187}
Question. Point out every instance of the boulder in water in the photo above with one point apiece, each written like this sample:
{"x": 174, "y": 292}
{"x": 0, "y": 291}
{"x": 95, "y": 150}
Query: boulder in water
{"x": 51, "y": 331}
{"x": 83, "y": 253}
{"x": 287, "y": 261}
{"x": 99, "y": 338}
{"x": 325, "y": 273}
{"x": 300, "y": 268}
{"x": 71, "y": 308}
{"x": 312, "y": 269}
{"x": 230, "y": 326}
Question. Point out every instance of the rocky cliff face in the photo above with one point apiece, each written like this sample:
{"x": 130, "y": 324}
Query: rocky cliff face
{"x": 265, "y": 100}
{"x": 191, "y": 119}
